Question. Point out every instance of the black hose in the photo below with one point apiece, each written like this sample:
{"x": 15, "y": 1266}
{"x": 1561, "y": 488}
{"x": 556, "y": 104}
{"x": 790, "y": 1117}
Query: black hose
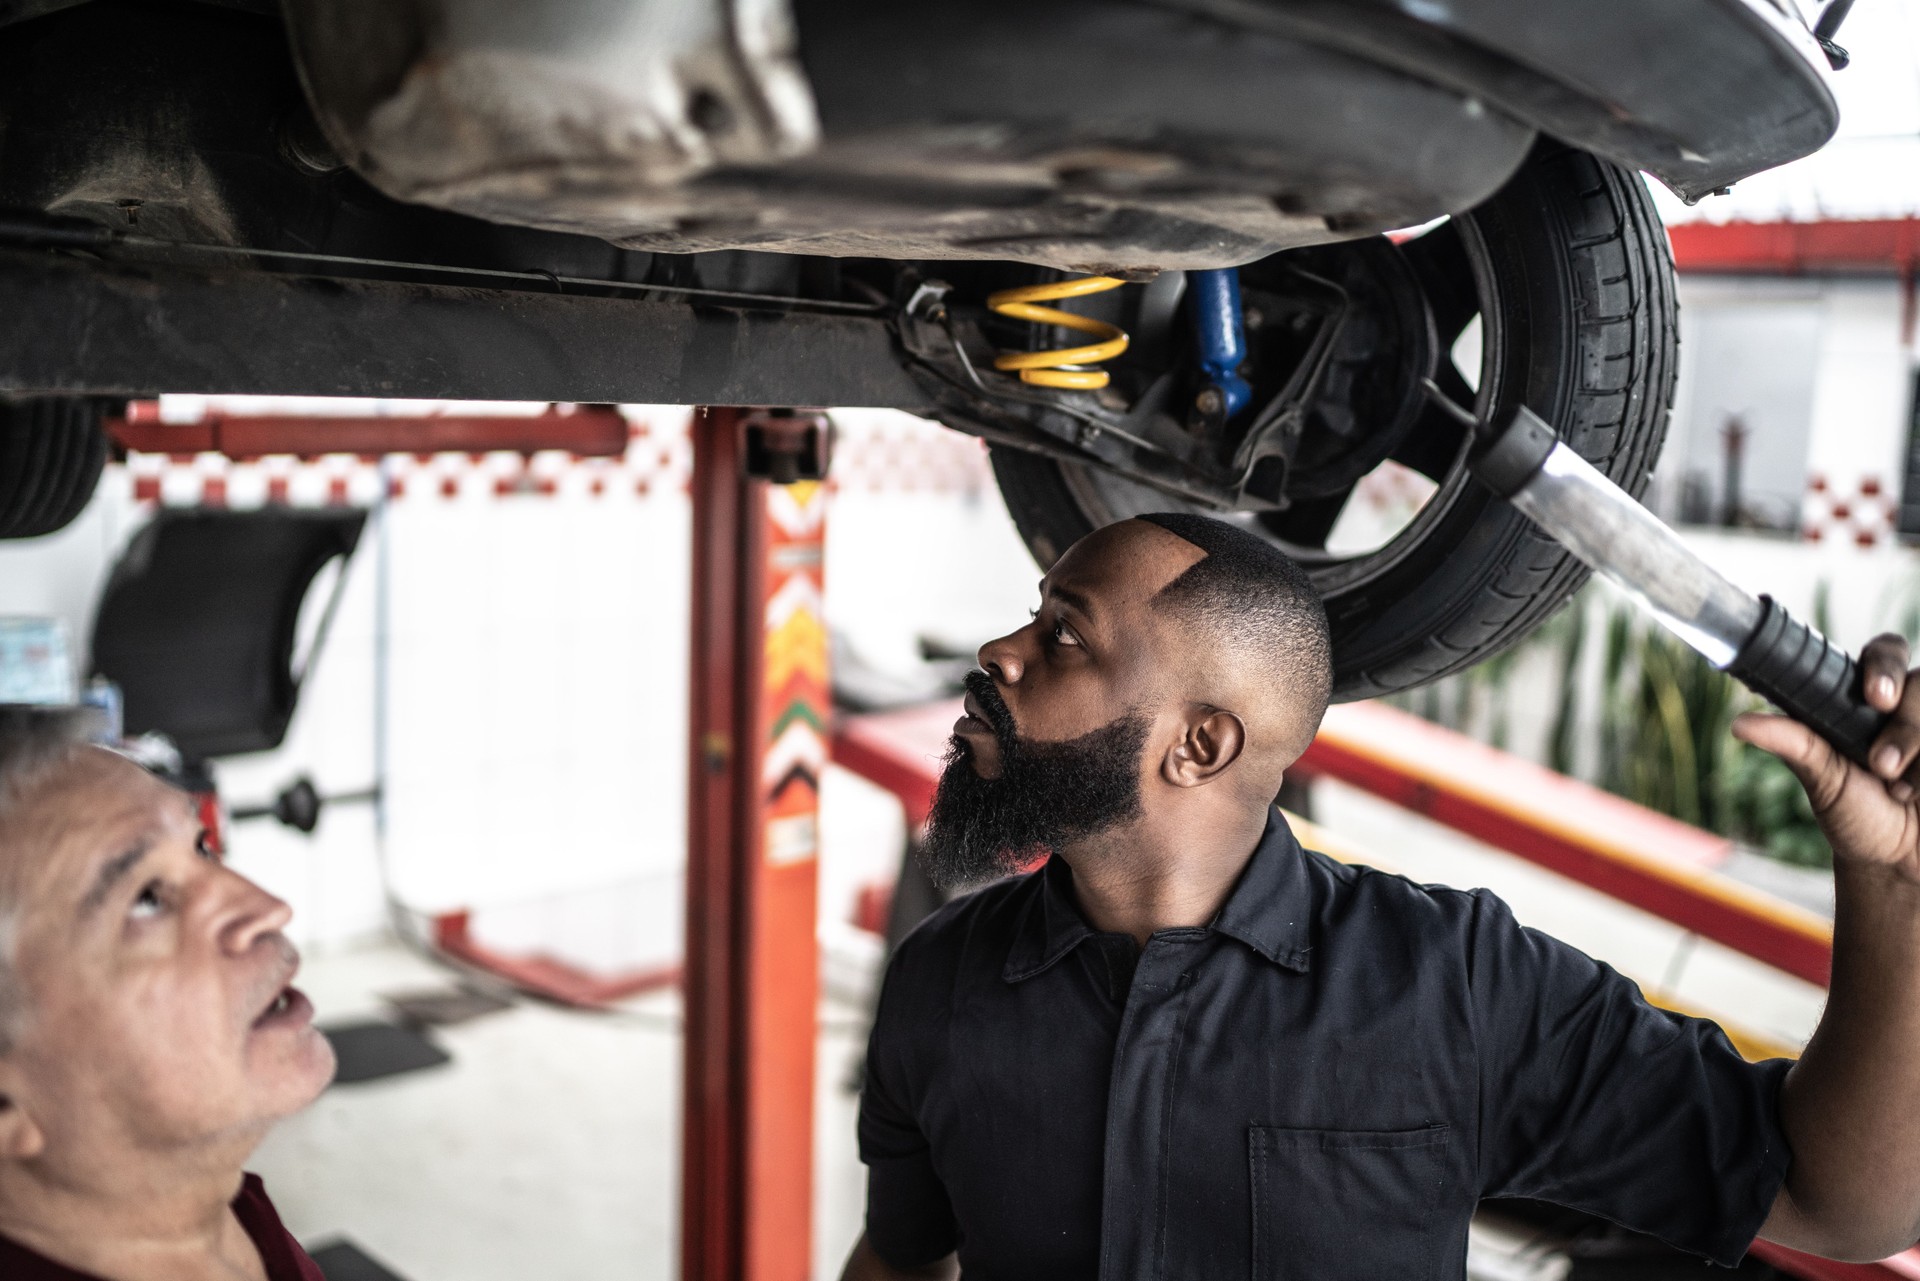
{"x": 1830, "y": 19}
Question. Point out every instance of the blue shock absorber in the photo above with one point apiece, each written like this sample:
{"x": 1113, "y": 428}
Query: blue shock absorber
{"x": 1220, "y": 336}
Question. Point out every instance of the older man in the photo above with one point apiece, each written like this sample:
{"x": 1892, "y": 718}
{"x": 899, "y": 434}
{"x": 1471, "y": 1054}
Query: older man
{"x": 1188, "y": 1048}
{"x": 149, "y": 1035}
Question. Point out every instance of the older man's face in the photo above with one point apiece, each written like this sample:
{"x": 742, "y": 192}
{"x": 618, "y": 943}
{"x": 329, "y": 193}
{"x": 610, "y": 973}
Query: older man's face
{"x": 158, "y": 1006}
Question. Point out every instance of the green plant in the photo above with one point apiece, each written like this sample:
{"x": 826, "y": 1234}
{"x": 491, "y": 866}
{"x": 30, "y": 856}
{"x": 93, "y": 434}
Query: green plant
{"x": 1769, "y": 809}
{"x": 1560, "y": 739}
{"x": 1664, "y": 729}
{"x": 1669, "y": 745}
{"x": 1664, "y": 720}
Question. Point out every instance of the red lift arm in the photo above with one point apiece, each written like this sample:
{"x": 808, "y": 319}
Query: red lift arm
{"x": 587, "y": 431}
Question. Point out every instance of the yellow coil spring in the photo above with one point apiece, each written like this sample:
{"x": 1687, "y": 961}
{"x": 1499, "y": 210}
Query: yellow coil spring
{"x": 1058, "y": 367}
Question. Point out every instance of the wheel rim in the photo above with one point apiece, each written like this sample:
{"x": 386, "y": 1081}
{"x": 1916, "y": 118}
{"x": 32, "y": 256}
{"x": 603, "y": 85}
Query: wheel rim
{"x": 1452, "y": 255}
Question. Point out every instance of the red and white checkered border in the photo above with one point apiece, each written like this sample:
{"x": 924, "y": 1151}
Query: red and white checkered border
{"x": 1863, "y": 513}
{"x": 868, "y": 457}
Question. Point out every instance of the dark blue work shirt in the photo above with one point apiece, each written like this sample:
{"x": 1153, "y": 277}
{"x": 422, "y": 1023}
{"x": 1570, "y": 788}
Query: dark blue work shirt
{"x": 1320, "y": 1085}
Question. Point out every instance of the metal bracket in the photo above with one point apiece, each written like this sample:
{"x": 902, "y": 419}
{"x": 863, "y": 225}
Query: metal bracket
{"x": 786, "y": 445}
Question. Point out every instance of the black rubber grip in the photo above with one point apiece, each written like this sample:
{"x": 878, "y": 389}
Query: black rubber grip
{"x": 1806, "y": 676}
{"x": 1513, "y": 454}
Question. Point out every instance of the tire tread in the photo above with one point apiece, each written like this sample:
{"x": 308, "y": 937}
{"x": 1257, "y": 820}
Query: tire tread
{"x": 1550, "y": 575}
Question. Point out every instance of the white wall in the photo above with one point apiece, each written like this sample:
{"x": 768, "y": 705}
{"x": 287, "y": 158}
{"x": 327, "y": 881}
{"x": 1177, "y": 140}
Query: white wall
{"x": 919, "y": 540}
{"x": 1861, "y": 393}
{"x": 60, "y": 576}
{"x": 536, "y": 708}
{"x": 1751, "y": 354}
{"x": 1819, "y": 368}
{"x": 537, "y": 657}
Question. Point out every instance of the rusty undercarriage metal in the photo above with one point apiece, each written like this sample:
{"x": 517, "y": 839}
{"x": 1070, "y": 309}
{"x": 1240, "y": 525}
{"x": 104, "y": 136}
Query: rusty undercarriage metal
{"x": 1081, "y": 135}
{"x": 1103, "y": 135}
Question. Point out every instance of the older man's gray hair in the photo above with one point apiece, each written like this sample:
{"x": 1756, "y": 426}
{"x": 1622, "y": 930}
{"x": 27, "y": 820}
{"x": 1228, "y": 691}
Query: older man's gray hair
{"x": 33, "y": 740}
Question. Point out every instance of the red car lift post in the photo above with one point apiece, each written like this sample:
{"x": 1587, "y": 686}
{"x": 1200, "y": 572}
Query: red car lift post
{"x": 757, "y": 715}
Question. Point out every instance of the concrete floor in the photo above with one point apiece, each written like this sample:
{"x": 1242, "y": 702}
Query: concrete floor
{"x": 548, "y": 1148}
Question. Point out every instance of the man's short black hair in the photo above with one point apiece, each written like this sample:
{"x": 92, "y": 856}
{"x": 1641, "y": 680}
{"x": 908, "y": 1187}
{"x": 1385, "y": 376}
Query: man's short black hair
{"x": 1252, "y": 596}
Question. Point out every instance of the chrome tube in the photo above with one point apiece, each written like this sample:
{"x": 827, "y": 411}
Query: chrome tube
{"x": 1600, "y": 523}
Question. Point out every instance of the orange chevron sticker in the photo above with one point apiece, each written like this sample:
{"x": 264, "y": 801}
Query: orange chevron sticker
{"x": 798, "y": 510}
{"x": 797, "y": 646}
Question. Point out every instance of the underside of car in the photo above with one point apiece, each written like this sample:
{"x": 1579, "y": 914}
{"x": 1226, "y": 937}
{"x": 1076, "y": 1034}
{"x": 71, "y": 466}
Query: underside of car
{"x": 755, "y": 202}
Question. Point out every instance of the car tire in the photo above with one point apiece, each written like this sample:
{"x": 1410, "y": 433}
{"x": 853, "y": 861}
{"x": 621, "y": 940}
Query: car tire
{"x": 1573, "y": 281}
{"x": 52, "y": 451}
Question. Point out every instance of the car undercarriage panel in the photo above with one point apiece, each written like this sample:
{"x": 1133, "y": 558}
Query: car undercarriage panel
{"x": 1079, "y": 134}
{"x": 74, "y": 327}
{"x": 1701, "y": 94}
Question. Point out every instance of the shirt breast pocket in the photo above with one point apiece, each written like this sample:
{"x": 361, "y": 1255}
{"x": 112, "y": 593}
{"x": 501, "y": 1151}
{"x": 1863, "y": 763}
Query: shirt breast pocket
{"x": 1336, "y": 1204}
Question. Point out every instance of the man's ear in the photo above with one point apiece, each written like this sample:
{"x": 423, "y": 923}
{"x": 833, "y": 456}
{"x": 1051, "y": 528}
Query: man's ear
{"x": 20, "y": 1138}
{"x": 1212, "y": 742}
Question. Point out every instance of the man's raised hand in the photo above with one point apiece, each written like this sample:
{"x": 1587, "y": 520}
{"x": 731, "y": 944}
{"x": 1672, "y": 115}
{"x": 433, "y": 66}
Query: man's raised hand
{"x": 1868, "y": 817}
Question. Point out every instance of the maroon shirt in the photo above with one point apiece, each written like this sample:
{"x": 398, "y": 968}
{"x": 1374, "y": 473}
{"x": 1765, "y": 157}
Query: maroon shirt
{"x": 284, "y": 1258}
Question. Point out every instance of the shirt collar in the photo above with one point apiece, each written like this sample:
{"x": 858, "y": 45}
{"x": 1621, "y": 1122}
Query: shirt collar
{"x": 1049, "y": 926}
{"x": 1268, "y": 909}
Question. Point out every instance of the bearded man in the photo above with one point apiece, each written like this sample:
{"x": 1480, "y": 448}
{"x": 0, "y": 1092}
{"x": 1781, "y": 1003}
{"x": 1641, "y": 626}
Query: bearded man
{"x": 149, "y": 1032}
{"x": 1185, "y": 1047}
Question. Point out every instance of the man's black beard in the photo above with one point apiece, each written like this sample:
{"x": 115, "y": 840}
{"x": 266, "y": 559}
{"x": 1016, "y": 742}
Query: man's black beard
{"x": 1047, "y": 794}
